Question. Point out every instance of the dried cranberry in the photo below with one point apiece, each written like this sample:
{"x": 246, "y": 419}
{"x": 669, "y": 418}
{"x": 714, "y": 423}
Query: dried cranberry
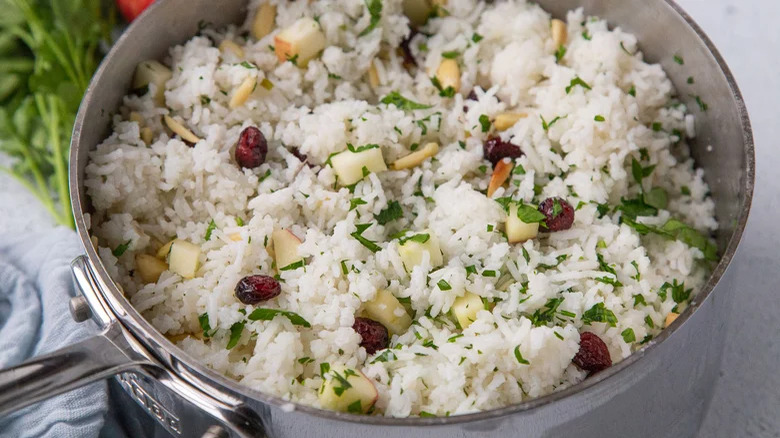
{"x": 496, "y": 149}
{"x": 374, "y": 335}
{"x": 251, "y": 149}
{"x": 472, "y": 96}
{"x": 593, "y": 355}
{"x": 559, "y": 213}
{"x": 297, "y": 154}
{"x": 406, "y": 52}
{"x": 256, "y": 288}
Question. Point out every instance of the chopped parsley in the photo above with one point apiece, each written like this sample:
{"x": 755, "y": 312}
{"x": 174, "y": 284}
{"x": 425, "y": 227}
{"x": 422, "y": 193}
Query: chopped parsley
{"x": 519, "y": 357}
{"x": 443, "y": 285}
{"x": 599, "y": 118}
{"x": 546, "y": 126}
{"x": 586, "y": 35}
{"x": 203, "y": 320}
{"x": 476, "y": 37}
{"x": 268, "y": 85}
{"x": 529, "y": 215}
{"x": 443, "y": 92}
{"x": 121, "y": 248}
{"x": 453, "y": 338}
{"x": 649, "y": 321}
{"x": 355, "y": 407}
{"x": 685, "y": 190}
{"x": 628, "y": 335}
{"x": 261, "y": 314}
{"x": 354, "y": 202}
{"x": 657, "y": 198}
{"x": 678, "y": 59}
{"x": 358, "y": 234}
{"x": 599, "y": 313}
{"x": 293, "y": 266}
{"x": 674, "y": 229}
{"x": 690, "y": 79}
{"x": 632, "y": 91}
{"x": 638, "y": 172}
{"x": 657, "y": 126}
{"x": 545, "y": 315}
{"x": 484, "y": 121}
{"x": 205, "y": 100}
{"x": 450, "y": 55}
{"x": 419, "y": 238}
{"x": 639, "y": 299}
{"x": 386, "y": 356}
{"x": 395, "y": 98}
{"x": 212, "y": 226}
{"x": 390, "y": 213}
{"x": 702, "y": 106}
{"x": 235, "y": 334}
{"x": 560, "y": 53}
{"x": 679, "y": 293}
{"x": 247, "y": 64}
{"x": 375, "y": 10}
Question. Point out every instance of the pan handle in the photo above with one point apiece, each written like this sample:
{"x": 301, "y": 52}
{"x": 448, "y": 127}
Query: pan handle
{"x": 76, "y": 365}
{"x": 114, "y": 351}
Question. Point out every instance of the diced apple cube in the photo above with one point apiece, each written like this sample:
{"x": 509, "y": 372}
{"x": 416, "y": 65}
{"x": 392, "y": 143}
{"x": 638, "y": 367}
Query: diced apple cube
{"x": 164, "y": 250}
{"x": 285, "y": 248}
{"x": 387, "y": 310}
{"x": 347, "y": 390}
{"x": 349, "y": 165}
{"x": 465, "y": 308}
{"x": 263, "y": 23}
{"x": 152, "y": 72}
{"x": 300, "y": 42}
{"x": 414, "y": 246}
{"x": 184, "y": 258}
{"x": 417, "y": 11}
{"x": 518, "y": 231}
{"x": 149, "y": 267}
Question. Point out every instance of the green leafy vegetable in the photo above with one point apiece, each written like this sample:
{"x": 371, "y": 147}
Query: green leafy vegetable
{"x": 577, "y": 81}
{"x": 395, "y": 98}
{"x": 212, "y": 226}
{"x": 375, "y": 10}
{"x": 674, "y": 229}
{"x": 546, "y": 126}
{"x": 519, "y": 357}
{"x": 358, "y": 234}
{"x": 679, "y": 293}
{"x": 529, "y": 215}
{"x": 235, "y": 334}
{"x": 443, "y": 92}
{"x": 443, "y": 285}
{"x": 386, "y": 356}
{"x": 599, "y": 313}
{"x": 203, "y": 320}
{"x": 678, "y": 59}
{"x": 293, "y": 266}
{"x": 560, "y": 53}
{"x": 657, "y": 198}
{"x": 628, "y": 335}
{"x": 390, "y": 213}
{"x": 49, "y": 50}
{"x": 450, "y": 55}
{"x": 599, "y": 118}
{"x": 261, "y": 314}
{"x": 121, "y": 248}
{"x": 476, "y": 37}
{"x": 354, "y": 202}
{"x": 484, "y": 121}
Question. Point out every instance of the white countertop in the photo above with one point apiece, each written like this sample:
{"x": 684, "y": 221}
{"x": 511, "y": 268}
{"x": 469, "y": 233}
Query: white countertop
{"x": 747, "y": 397}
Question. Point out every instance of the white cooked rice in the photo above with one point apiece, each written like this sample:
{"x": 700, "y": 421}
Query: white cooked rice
{"x": 147, "y": 195}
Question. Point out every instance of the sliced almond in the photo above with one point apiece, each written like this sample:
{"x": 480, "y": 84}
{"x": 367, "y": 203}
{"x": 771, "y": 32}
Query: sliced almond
{"x": 263, "y": 23}
{"x": 500, "y": 175}
{"x": 559, "y": 34}
{"x": 416, "y": 157}
{"x": 180, "y": 130}
{"x": 670, "y": 318}
{"x": 230, "y": 46}
{"x": 373, "y": 76}
{"x": 242, "y": 92}
{"x": 507, "y": 120}
{"x": 147, "y": 135}
{"x": 448, "y": 74}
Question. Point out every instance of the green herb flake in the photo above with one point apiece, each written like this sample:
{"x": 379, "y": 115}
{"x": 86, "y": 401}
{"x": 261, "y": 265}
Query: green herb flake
{"x": 203, "y": 320}
{"x": 560, "y": 53}
{"x": 354, "y": 202}
{"x": 484, "y": 121}
{"x": 121, "y": 248}
{"x": 261, "y": 314}
{"x": 529, "y": 214}
{"x": 375, "y": 10}
{"x": 526, "y": 256}
{"x": 453, "y": 338}
{"x": 690, "y": 80}
{"x": 293, "y": 266}
{"x": 355, "y": 407}
{"x": 443, "y": 92}
{"x": 488, "y": 273}
{"x": 334, "y": 76}
{"x": 649, "y": 321}
{"x": 657, "y": 126}
{"x": 599, "y": 313}
{"x": 424, "y": 414}
{"x": 545, "y": 125}
{"x": 210, "y": 229}
{"x": 395, "y": 98}
{"x": 358, "y": 234}
{"x": 702, "y": 106}
{"x": 519, "y": 357}
{"x": 685, "y": 190}
{"x": 678, "y": 59}
{"x": 205, "y": 100}
{"x": 386, "y": 356}
{"x": 628, "y": 335}
{"x": 632, "y": 91}
{"x": 249, "y": 65}
{"x": 586, "y": 35}
{"x": 390, "y": 213}
{"x": 235, "y": 334}
{"x": 639, "y": 299}
{"x": 443, "y": 285}
{"x": 450, "y": 55}
{"x": 476, "y": 37}
{"x": 599, "y": 118}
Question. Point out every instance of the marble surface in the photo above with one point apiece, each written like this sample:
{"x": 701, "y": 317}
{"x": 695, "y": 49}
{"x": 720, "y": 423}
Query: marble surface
{"x": 747, "y": 396}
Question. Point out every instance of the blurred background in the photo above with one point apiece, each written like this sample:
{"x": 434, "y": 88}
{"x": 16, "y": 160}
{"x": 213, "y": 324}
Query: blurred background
{"x": 747, "y": 396}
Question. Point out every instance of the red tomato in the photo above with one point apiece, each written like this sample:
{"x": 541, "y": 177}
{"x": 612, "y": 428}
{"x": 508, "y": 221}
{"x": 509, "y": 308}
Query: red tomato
{"x": 130, "y": 9}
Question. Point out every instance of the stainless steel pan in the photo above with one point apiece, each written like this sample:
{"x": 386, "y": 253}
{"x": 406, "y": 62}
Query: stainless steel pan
{"x": 661, "y": 390}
